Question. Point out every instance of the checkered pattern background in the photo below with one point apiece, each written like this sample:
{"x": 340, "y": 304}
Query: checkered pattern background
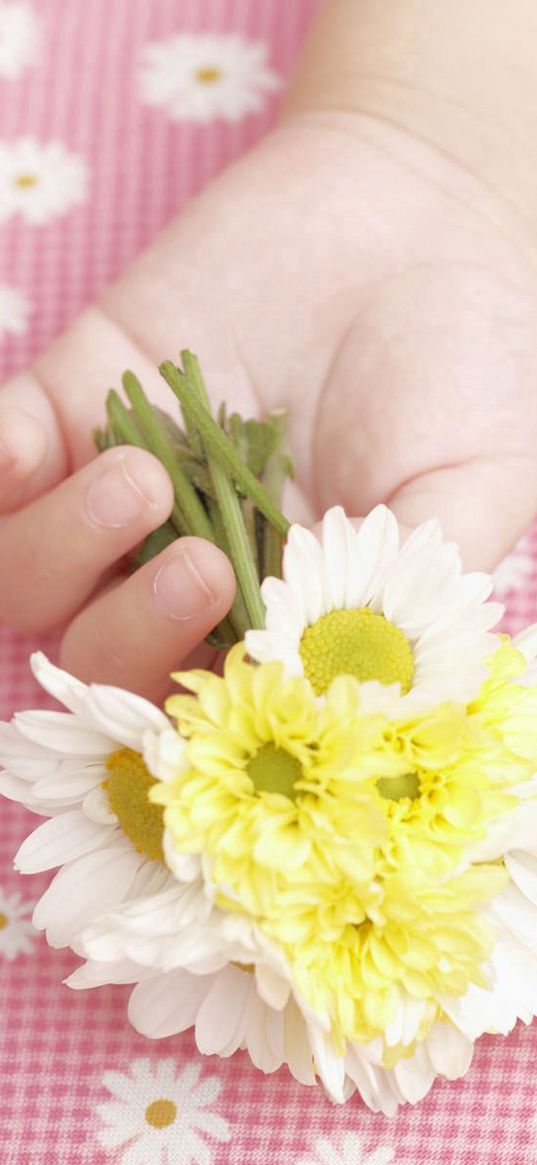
{"x": 56, "y": 1045}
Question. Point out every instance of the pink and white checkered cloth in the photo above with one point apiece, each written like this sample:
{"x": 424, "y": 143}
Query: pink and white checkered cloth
{"x": 64, "y": 1055}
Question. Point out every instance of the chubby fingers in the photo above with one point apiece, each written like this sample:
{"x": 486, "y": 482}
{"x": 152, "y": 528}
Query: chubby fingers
{"x": 55, "y": 550}
{"x": 139, "y": 631}
{"x": 32, "y": 451}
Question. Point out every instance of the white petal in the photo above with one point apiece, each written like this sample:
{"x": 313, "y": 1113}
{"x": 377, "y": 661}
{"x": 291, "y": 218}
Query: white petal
{"x": 296, "y": 1044}
{"x": 83, "y": 890}
{"x": 516, "y": 829}
{"x": 262, "y": 1054}
{"x": 60, "y": 840}
{"x": 92, "y": 974}
{"x": 16, "y": 790}
{"x": 167, "y": 1004}
{"x": 96, "y": 806}
{"x": 221, "y": 1020}
{"x": 303, "y": 572}
{"x": 339, "y": 541}
{"x": 523, "y": 870}
{"x": 526, "y": 642}
{"x": 377, "y": 543}
{"x": 414, "y": 1076}
{"x": 512, "y": 995}
{"x": 330, "y": 1066}
{"x": 186, "y": 867}
{"x": 450, "y": 1052}
{"x": 517, "y": 915}
{"x": 164, "y": 753}
{"x": 63, "y": 733}
{"x": 372, "y": 1082}
{"x": 64, "y": 687}
{"x": 264, "y": 646}
{"x": 22, "y": 758}
{"x": 272, "y": 987}
{"x": 123, "y": 715}
{"x": 71, "y": 779}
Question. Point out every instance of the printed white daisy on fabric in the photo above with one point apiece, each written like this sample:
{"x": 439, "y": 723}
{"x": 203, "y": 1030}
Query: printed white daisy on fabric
{"x": 516, "y": 571}
{"x": 40, "y": 181}
{"x": 350, "y": 1151}
{"x": 19, "y": 38}
{"x": 15, "y": 311}
{"x": 83, "y": 770}
{"x": 202, "y": 77}
{"x": 162, "y": 1114}
{"x": 17, "y": 934}
{"x": 403, "y": 620}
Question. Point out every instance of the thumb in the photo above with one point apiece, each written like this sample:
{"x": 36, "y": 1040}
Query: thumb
{"x": 484, "y": 505}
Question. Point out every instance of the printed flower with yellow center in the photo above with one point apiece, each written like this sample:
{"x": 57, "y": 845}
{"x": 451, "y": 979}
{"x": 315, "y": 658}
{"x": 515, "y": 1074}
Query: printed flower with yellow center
{"x": 403, "y": 620}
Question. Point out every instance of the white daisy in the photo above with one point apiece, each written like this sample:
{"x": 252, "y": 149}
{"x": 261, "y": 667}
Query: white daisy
{"x": 404, "y": 620}
{"x": 82, "y": 769}
{"x": 16, "y": 931}
{"x": 19, "y": 38}
{"x": 202, "y": 77}
{"x": 161, "y": 1114}
{"x": 348, "y": 1151}
{"x": 14, "y": 311}
{"x": 516, "y": 571}
{"x": 39, "y": 181}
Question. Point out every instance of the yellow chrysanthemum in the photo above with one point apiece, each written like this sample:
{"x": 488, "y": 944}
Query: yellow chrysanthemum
{"x": 344, "y": 836}
{"x": 275, "y": 787}
{"x": 508, "y": 710}
{"x": 352, "y": 966}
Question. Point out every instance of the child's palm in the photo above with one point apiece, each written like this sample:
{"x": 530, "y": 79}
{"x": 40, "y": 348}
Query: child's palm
{"x": 341, "y": 271}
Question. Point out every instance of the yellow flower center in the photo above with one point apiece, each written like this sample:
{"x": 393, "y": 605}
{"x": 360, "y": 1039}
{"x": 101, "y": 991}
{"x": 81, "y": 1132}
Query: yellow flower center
{"x": 356, "y": 643}
{"x": 395, "y": 788}
{"x": 208, "y": 75}
{"x": 4, "y": 920}
{"x": 274, "y": 770}
{"x": 127, "y": 790}
{"x": 161, "y": 1113}
{"x": 24, "y": 181}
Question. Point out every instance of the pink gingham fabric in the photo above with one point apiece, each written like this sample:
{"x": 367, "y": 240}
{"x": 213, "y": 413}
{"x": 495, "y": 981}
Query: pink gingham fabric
{"x": 61, "y": 1051}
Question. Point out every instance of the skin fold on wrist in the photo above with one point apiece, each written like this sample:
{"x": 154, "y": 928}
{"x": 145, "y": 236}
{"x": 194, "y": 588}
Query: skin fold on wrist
{"x": 460, "y": 77}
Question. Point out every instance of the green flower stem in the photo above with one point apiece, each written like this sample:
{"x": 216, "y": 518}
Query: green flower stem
{"x": 121, "y": 422}
{"x": 238, "y": 615}
{"x": 188, "y": 515}
{"x": 220, "y": 448}
{"x": 238, "y": 542}
{"x": 235, "y": 532}
{"x": 276, "y": 472}
{"x": 193, "y": 374}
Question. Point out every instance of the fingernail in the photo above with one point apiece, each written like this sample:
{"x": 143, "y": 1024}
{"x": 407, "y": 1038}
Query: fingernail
{"x": 115, "y": 498}
{"x": 180, "y": 590}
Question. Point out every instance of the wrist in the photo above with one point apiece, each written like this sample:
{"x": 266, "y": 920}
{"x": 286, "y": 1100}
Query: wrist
{"x": 458, "y": 77}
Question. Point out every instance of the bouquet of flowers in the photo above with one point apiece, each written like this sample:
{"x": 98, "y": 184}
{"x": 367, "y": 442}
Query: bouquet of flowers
{"x": 325, "y": 851}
